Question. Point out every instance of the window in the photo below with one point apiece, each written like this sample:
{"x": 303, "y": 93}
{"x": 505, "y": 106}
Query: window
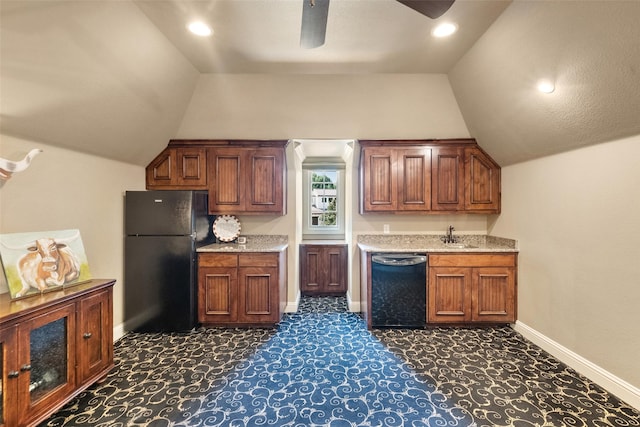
{"x": 323, "y": 201}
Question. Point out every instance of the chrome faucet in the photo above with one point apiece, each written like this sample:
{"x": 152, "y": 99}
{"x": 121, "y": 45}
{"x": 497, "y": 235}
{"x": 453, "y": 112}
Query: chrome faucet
{"x": 448, "y": 238}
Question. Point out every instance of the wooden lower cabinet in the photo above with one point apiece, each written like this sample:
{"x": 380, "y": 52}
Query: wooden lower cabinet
{"x": 53, "y": 346}
{"x": 323, "y": 269}
{"x": 246, "y": 289}
{"x": 474, "y": 288}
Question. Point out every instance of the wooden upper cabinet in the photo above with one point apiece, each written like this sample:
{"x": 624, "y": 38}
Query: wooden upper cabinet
{"x": 379, "y": 180}
{"x": 242, "y": 177}
{"x": 247, "y": 180}
{"x": 226, "y": 192}
{"x": 427, "y": 176}
{"x": 265, "y": 181}
{"x": 482, "y": 182}
{"x": 178, "y": 168}
{"x": 448, "y": 179}
{"x": 395, "y": 179}
{"x": 414, "y": 179}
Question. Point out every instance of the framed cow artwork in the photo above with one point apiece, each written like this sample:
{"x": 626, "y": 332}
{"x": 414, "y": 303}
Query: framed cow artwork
{"x": 38, "y": 262}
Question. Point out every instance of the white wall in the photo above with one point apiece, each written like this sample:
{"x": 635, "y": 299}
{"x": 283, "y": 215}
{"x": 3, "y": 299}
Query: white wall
{"x": 576, "y": 216}
{"x": 63, "y": 189}
{"x": 383, "y": 106}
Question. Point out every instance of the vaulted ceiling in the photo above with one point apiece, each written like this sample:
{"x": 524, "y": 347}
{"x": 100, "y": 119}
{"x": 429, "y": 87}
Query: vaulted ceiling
{"x": 114, "y": 78}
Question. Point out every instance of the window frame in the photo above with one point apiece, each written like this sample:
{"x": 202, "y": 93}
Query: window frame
{"x": 309, "y": 231}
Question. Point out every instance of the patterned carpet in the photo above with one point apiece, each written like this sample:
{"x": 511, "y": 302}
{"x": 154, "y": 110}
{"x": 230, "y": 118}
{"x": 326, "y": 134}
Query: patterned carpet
{"x": 321, "y": 367}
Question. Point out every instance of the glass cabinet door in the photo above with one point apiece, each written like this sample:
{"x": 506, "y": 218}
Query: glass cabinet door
{"x": 47, "y": 361}
{"x": 48, "y": 358}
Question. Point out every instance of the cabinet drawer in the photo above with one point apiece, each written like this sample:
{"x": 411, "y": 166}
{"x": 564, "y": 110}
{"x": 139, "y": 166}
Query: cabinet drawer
{"x": 218, "y": 260}
{"x": 258, "y": 260}
{"x": 473, "y": 260}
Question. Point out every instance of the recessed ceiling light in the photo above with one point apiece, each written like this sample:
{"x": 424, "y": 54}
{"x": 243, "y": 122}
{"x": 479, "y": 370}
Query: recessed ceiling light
{"x": 200, "y": 28}
{"x": 546, "y": 86}
{"x": 445, "y": 29}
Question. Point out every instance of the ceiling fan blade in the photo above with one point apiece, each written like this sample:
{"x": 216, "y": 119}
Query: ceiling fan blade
{"x": 314, "y": 23}
{"x": 431, "y": 8}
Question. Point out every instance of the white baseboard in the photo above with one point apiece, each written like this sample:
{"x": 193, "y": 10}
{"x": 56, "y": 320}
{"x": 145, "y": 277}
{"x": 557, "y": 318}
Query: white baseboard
{"x": 614, "y": 385}
{"x": 292, "y": 306}
{"x": 118, "y": 332}
{"x": 354, "y": 306}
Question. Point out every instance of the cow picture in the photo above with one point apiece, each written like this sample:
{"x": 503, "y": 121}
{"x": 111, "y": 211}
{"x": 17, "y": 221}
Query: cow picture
{"x": 38, "y": 262}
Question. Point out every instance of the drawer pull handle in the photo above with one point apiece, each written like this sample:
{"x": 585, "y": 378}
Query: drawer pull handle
{"x": 86, "y": 335}
{"x": 25, "y": 368}
{"x": 13, "y": 374}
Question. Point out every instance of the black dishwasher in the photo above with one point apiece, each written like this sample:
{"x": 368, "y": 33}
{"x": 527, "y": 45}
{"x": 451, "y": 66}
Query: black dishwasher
{"x": 398, "y": 290}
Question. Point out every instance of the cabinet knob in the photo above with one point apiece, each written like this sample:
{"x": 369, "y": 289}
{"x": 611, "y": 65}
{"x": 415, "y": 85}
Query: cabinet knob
{"x": 25, "y": 368}
{"x": 13, "y": 374}
{"x": 86, "y": 335}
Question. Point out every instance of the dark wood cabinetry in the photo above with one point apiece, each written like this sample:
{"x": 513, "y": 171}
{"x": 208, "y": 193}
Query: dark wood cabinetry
{"x": 53, "y": 346}
{"x": 482, "y": 182}
{"x": 247, "y": 289}
{"x": 95, "y": 336}
{"x": 448, "y": 179}
{"x": 427, "y": 176}
{"x": 472, "y": 288}
{"x": 396, "y": 179}
{"x": 242, "y": 177}
{"x": 462, "y": 288}
{"x": 323, "y": 269}
{"x": 180, "y": 168}
{"x": 248, "y": 180}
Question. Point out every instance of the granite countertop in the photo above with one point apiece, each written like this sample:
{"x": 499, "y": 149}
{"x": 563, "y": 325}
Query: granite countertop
{"x": 433, "y": 243}
{"x": 255, "y": 243}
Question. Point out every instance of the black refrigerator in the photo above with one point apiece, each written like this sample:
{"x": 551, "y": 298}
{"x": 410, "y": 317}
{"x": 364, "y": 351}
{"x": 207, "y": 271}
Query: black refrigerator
{"x": 163, "y": 229}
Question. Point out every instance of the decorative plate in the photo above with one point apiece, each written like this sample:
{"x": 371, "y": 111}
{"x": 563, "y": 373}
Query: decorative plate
{"x": 226, "y": 228}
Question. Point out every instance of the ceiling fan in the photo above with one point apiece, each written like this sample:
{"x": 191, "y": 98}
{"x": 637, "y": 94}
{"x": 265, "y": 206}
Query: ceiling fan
{"x": 315, "y": 12}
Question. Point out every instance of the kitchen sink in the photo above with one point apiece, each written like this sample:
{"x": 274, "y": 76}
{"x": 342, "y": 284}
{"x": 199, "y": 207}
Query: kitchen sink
{"x": 460, "y": 246}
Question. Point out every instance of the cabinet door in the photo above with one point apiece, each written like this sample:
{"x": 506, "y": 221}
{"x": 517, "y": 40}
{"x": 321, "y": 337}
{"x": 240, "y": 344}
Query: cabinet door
{"x": 494, "y": 295}
{"x": 247, "y": 180}
{"x": 258, "y": 295}
{"x": 191, "y": 164}
{"x": 10, "y": 374}
{"x": 161, "y": 172}
{"x": 180, "y": 168}
{"x": 47, "y": 348}
{"x": 264, "y": 181}
{"x": 217, "y": 294}
{"x": 311, "y": 269}
{"x": 226, "y": 193}
{"x": 335, "y": 262}
{"x": 482, "y": 182}
{"x": 449, "y": 295}
{"x": 379, "y": 180}
{"x": 95, "y": 336}
{"x": 414, "y": 179}
{"x": 448, "y": 176}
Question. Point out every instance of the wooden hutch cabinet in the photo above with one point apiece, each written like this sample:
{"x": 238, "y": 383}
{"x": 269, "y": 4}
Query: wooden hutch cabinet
{"x": 53, "y": 346}
{"x": 474, "y": 288}
{"x": 323, "y": 269}
{"x": 246, "y": 289}
{"x": 427, "y": 176}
